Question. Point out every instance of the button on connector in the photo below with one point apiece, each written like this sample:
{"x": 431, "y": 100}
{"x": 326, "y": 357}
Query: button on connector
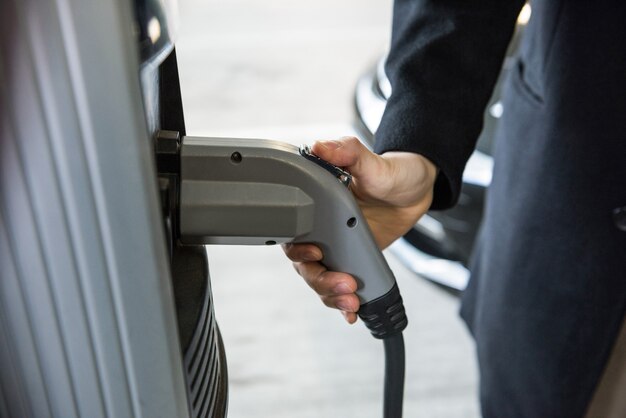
{"x": 342, "y": 175}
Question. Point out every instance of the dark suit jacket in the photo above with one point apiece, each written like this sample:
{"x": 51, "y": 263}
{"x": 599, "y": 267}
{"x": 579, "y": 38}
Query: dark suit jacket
{"x": 548, "y": 288}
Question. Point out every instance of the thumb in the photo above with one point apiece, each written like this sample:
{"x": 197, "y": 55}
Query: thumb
{"x": 347, "y": 152}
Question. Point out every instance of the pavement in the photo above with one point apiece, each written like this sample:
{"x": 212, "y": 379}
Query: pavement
{"x": 286, "y": 70}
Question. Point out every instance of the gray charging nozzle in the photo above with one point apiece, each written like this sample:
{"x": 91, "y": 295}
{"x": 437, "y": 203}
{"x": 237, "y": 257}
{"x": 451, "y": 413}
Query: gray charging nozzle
{"x": 249, "y": 191}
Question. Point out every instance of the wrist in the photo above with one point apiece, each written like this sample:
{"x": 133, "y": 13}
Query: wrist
{"x": 411, "y": 169}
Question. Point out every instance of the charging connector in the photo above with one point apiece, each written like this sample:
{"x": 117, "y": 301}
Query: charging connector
{"x": 259, "y": 192}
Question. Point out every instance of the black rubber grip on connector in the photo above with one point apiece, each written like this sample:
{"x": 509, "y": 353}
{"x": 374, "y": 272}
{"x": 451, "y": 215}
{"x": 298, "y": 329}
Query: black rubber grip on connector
{"x": 385, "y": 316}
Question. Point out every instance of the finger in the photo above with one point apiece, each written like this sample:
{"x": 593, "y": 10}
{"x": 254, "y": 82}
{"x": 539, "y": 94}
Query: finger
{"x": 324, "y": 282}
{"x": 347, "y": 152}
{"x": 350, "y": 317}
{"x": 302, "y": 252}
{"x": 345, "y": 303}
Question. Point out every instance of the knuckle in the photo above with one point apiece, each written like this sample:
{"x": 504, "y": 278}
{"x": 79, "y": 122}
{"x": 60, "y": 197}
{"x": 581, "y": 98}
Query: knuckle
{"x": 290, "y": 255}
{"x": 294, "y": 254}
{"x": 311, "y": 273}
{"x": 328, "y": 301}
{"x": 297, "y": 252}
{"x": 321, "y": 282}
{"x": 351, "y": 140}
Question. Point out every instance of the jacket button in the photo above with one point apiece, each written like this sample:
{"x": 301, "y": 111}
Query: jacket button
{"x": 619, "y": 218}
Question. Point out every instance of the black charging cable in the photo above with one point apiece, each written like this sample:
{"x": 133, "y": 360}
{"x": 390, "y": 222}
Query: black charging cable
{"x": 386, "y": 319}
{"x": 394, "y": 376}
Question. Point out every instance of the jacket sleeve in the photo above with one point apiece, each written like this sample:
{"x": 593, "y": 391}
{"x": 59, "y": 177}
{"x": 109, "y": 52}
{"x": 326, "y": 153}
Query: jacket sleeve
{"x": 444, "y": 60}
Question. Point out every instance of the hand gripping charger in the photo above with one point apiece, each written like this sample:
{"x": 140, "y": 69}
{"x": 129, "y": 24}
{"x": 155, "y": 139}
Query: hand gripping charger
{"x": 242, "y": 191}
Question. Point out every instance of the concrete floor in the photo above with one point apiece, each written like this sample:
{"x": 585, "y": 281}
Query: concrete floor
{"x": 286, "y": 70}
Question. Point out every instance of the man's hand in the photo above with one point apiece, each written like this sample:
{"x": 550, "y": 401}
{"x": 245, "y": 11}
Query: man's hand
{"x": 393, "y": 190}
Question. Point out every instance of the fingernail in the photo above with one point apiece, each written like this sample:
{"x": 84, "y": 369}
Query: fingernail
{"x": 342, "y": 289}
{"x": 331, "y": 145}
{"x": 345, "y": 315}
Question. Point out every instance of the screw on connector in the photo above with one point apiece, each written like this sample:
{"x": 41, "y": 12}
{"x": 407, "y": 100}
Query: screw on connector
{"x": 236, "y": 157}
